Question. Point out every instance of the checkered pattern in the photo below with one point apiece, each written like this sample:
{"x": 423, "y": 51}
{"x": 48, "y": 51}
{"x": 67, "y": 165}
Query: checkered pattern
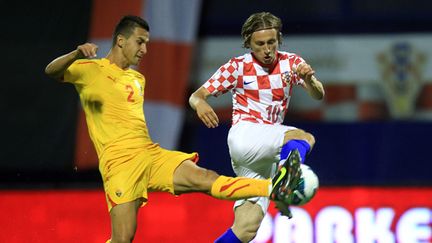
{"x": 260, "y": 94}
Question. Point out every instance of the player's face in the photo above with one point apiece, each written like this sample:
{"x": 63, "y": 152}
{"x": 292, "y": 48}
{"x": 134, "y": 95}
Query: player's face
{"x": 264, "y": 44}
{"x": 135, "y": 47}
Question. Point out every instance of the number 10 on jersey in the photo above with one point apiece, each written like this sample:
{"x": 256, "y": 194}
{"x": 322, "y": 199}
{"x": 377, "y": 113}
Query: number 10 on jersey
{"x": 273, "y": 113}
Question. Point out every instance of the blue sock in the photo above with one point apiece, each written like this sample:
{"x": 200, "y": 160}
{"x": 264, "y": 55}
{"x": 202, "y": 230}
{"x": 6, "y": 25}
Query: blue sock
{"x": 228, "y": 237}
{"x": 302, "y": 146}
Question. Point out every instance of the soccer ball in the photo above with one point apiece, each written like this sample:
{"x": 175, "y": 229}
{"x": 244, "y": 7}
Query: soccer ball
{"x": 307, "y": 187}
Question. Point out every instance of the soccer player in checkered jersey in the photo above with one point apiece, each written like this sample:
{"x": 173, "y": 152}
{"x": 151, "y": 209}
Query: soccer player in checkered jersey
{"x": 131, "y": 164}
{"x": 261, "y": 83}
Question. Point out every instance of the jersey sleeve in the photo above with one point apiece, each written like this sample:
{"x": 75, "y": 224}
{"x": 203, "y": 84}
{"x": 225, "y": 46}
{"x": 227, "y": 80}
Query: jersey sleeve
{"x": 223, "y": 80}
{"x": 78, "y": 70}
{"x": 295, "y": 60}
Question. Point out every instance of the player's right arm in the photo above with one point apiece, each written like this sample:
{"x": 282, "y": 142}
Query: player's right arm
{"x": 198, "y": 102}
{"x": 58, "y": 66}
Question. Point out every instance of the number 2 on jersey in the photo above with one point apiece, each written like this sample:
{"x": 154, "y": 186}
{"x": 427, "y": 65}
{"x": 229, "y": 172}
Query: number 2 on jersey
{"x": 131, "y": 93}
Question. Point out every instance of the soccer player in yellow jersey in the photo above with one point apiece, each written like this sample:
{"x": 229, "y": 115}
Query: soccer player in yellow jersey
{"x": 130, "y": 163}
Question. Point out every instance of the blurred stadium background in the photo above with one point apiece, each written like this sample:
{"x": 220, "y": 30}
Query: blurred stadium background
{"x": 373, "y": 129}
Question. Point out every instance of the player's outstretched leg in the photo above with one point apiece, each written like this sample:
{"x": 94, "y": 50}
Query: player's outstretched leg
{"x": 285, "y": 181}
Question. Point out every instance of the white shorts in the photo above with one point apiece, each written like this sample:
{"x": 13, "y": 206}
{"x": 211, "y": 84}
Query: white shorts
{"x": 255, "y": 152}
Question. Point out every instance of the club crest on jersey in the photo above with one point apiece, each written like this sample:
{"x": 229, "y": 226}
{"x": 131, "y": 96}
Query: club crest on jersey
{"x": 138, "y": 85}
{"x": 118, "y": 193}
{"x": 286, "y": 77}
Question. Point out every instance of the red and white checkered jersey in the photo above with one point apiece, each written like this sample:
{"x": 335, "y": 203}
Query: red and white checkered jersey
{"x": 259, "y": 94}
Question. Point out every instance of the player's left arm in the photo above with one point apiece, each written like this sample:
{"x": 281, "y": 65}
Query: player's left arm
{"x": 313, "y": 86}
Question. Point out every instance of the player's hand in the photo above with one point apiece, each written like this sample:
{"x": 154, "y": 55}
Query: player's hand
{"x": 87, "y": 50}
{"x": 305, "y": 72}
{"x": 207, "y": 115}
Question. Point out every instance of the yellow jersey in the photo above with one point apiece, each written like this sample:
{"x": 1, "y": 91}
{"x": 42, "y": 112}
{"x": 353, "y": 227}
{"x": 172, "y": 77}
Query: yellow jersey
{"x": 113, "y": 100}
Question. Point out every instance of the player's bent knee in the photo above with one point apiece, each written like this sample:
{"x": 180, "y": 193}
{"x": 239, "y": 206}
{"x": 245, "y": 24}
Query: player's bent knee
{"x": 310, "y": 139}
{"x": 299, "y": 135}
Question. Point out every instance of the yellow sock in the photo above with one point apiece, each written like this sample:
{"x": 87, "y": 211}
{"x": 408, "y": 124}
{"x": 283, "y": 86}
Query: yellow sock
{"x": 234, "y": 188}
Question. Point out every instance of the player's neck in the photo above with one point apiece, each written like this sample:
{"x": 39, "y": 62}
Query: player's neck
{"x": 116, "y": 57}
